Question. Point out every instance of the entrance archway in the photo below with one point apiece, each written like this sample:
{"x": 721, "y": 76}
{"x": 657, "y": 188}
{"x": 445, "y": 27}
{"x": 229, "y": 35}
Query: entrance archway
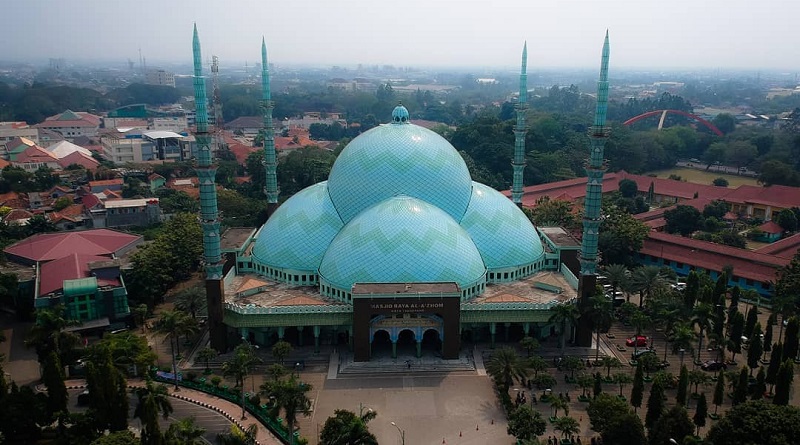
{"x": 431, "y": 342}
{"x": 406, "y": 343}
{"x": 381, "y": 344}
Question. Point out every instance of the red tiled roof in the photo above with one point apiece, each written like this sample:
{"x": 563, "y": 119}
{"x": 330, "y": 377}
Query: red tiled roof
{"x": 89, "y": 201}
{"x": 710, "y": 256}
{"x": 69, "y": 267}
{"x": 241, "y": 179}
{"x": 34, "y": 153}
{"x": 154, "y": 176}
{"x": 14, "y": 200}
{"x": 106, "y": 182}
{"x": 71, "y": 213}
{"x": 4, "y": 163}
{"x": 86, "y": 120}
{"x": 241, "y": 151}
{"x": 76, "y": 157}
{"x": 775, "y": 196}
{"x": 51, "y": 246}
{"x": 17, "y": 215}
{"x": 770, "y": 227}
{"x": 785, "y": 248}
{"x": 111, "y": 194}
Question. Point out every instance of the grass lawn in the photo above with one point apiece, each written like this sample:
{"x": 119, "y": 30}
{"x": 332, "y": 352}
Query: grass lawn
{"x": 704, "y": 177}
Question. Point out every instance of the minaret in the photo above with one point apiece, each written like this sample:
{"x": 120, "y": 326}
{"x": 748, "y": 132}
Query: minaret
{"x": 209, "y": 218}
{"x": 520, "y": 130}
{"x": 270, "y": 163}
{"x": 595, "y": 168}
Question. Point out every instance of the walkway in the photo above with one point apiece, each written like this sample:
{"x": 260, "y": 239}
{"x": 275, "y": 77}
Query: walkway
{"x": 231, "y": 411}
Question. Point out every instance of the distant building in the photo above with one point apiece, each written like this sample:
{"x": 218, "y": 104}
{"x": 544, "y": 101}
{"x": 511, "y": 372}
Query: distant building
{"x": 12, "y": 130}
{"x": 72, "y": 124}
{"x": 160, "y": 77}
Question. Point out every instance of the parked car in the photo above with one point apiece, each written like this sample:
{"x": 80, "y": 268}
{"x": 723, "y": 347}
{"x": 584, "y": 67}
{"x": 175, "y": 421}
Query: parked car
{"x": 713, "y": 366}
{"x": 639, "y": 341}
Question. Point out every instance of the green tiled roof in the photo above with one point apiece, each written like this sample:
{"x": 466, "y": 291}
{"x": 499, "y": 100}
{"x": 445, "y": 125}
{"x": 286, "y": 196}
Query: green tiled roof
{"x": 402, "y": 239}
{"x": 503, "y": 234}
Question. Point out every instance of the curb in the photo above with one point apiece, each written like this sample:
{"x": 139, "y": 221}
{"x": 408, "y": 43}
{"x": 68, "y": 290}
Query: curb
{"x": 196, "y": 402}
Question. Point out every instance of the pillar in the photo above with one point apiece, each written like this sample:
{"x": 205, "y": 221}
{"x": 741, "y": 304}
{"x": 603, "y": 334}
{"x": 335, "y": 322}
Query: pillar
{"x": 281, "y": 331}
{"x": 350, "y": 337}
{"x": 527, "y": 328}
{"x": 508, "y": 328}
{"x": 492, "y": 332}
{"x": 316, "y": 339}
{"x": 393, "y": 335}
{"x": 300, "y": 335}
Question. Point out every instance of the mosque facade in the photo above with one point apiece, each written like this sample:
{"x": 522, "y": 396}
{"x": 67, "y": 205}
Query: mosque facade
{"x": 399, "y": 248}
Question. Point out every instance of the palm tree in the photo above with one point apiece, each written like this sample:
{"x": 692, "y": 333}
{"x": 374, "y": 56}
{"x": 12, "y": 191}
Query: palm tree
{"x": 48, "y": 335}
{"x": 602, "y": 314}
{"x": 639, "y": 321}
{"x": 617, "y": 275}
{"x": 557, "y": 403}
{"x": 505, "y": 365}
{"x": 153, "y": 400}
{"x": 682, "y": 339}
{"x": 169, "y": 324}
{"x": 347, "y": 428}
{"x": 237, "y": 436}
{"x": 564, "y": 315}
{"x": 187, "y": 432}
{"x": 622, "y": 379}
{"x": 240, "y": 365}
{"x": 702, "y": 317}
{"x": 647, "y": 280}
{"x": 192, "y": 300}
{"x": 568, "y": 426}
{"x": 290, "y": 395}
{"x": 529, "y": 344}
{"x": 608, "y": 363}
{"x": 206, "y": 355}
{"x": 140, "y": 315}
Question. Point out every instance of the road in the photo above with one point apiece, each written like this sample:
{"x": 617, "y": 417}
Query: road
{"x": 716, "y": 168}
{"x": 213, "y": 422}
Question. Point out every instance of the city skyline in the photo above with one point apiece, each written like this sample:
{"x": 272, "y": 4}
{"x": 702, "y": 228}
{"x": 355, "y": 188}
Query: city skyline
{"x": 568, "y": 33}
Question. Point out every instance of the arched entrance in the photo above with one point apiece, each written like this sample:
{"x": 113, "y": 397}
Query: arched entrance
{"x": 406, "y": 343}
{"x": 431, "y": 343}
{"x": 381, "y": 344}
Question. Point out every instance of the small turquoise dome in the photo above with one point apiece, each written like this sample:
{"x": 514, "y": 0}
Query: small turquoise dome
{"x": 399, "y": 240}
{"x": 392, "y": 160}
{"x": 501, "y": 231}
{"x": 400, "y": 115}
{"x": 299, "y": 231}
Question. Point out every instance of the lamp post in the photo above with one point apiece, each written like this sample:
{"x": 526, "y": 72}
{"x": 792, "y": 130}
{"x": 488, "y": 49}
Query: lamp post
{"x": 402, "y": 434}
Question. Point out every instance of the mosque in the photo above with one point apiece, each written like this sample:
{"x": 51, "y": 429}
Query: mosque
{"x": 398, "y": 250}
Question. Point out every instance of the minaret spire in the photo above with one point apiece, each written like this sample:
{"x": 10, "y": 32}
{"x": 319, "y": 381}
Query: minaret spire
{"x": 595, "y": 170}
{"x": 209, "y": 218}
{"x": 520, "y": 130}
{"x": 270, "y": 163}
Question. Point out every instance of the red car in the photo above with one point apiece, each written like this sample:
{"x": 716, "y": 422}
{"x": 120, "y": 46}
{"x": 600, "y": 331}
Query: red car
{"x": 637, "y": 341}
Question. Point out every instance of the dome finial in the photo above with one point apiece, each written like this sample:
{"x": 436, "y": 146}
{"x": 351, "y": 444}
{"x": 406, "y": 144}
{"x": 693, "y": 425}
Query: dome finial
{"x": 400, "y": 114}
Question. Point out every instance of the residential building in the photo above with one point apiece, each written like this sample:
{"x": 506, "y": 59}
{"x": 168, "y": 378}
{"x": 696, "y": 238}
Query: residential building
{"x": 160, "y": 77}
{"x": 12, "y": 130}
{"x": 71, "y": 124}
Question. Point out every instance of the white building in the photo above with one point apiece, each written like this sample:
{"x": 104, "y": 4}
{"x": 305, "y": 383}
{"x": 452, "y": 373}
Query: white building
{"x": 160, "y": 77}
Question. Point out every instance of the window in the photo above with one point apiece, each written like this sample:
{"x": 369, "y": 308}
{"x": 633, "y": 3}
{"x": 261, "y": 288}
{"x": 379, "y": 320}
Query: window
{"x": 749, "y": 282}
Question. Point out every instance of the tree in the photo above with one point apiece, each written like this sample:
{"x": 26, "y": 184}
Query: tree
{"x": 775, "y": 360}
{"x": 637, "y": 392}
{"x": 715, "y": 154}
{"x": 697, "y": 378}
{"x": 720, "y": 182}
{"x": 124, "y": 437}
{"x": 603, "y": 409}
{"x": 281, "y": 350}
{"x": 735, "y": 337}
{"x": 719, "y": 392}
{"x": 741, "y": 153}
{"x": 617, "y": 275}
{"x": 572, "y": 364}
{"x": 291, "y": 396}
{"x": 186, "y": 432}
{"x": 345, "y": 428}
{"x": 750, "y": 323}
{"x": 108, "y": 394}
{"x": 682, "y": 340}
{"x": 624, "y": 429}
{"x": 756, "y": 422}
{"x": 241, "y": 364}
{"x": 740, "y": 392}
{"x": 683, "y": 386}
{"x": 558, "y": 403}
{"x": 536, "y": 364}
{"x": 700, "y": 413}
{"x": 48, "y": 335}
{"x": 783, "y": 383}
{"x": 53, "y": 378}
{"x": 153, "y": 400}
{"x": 655, "y": 404}
{"x": 207, "y": 354}
{"x": 791, "y": 341}
{"x": 192, "y": 300}
{"x": 683, "y": 219}
{"x": 140, "y": 313}
{"x": 602, "y": 314}
{"x": 504, "y": 366}
{"x": 673, "y": 424}
{"x": 628, "y": 188}
{"x": 647, "y": 280}
{"x": 760, "y": 387}
{"x": 568, "y": 426}
{"x": 787, "y": 220}
{"x": 775, "y": 172}
{"x": 237, "y": 436}
{"x": 620, "y": 236}
{"x": 523, "y": 423}
{"x": 755, "y": 349}
{"x": 553, "y": 212}
{"x": 609, "y": 362}
{"x": 529, "y": 344}
{"x": 565, "y": 316}
{"x": 622, "y": 379}
{"x": 169, "y": 324}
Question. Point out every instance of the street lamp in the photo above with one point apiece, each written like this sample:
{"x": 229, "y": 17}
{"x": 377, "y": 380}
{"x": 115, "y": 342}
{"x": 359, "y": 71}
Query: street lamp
{"x": 402, "y": 434}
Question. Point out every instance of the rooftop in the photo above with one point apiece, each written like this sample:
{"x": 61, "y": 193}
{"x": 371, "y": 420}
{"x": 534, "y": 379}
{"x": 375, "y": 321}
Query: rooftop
{"x": 51, "y": 246}
{"x": 234, "y": 237}
{"x": 402, "y": 288}
{"x": 525, "y": 291}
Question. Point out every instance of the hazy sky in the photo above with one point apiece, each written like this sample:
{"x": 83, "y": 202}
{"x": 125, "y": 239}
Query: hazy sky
{"x": 757, "y": 34}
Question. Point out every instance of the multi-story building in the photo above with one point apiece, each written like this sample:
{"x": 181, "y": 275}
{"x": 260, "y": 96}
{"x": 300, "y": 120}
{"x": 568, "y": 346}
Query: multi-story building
{"x": 11, "y": 130}
{"x": 72, "y": 124}
{"x": 160, "y": 77}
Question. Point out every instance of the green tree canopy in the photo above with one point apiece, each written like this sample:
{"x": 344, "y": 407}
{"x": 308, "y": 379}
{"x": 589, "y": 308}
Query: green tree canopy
{"x": 757, "y": 422}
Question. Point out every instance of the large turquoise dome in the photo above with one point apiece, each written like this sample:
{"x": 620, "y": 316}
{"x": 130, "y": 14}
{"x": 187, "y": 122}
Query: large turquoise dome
{"x": 402, "y": 240}
{"x": 399, "y": 159}
{"x": 298, "y": 233}
{"x": 504, "y": 235}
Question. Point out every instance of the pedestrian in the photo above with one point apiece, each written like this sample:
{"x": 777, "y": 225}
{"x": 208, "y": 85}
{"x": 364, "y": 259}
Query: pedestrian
{"x": 579, "y": 441}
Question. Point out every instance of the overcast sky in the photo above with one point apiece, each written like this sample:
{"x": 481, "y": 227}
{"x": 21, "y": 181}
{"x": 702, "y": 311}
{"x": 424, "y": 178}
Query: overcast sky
{"x": 756, "y": 34}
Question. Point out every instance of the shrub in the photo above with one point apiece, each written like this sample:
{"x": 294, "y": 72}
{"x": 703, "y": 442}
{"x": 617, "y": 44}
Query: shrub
{"x": 216, "y": 380}
{"x": 720, "y": 182}
{"x": 255, "y": 400}
{"x": 191, "y": 376}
